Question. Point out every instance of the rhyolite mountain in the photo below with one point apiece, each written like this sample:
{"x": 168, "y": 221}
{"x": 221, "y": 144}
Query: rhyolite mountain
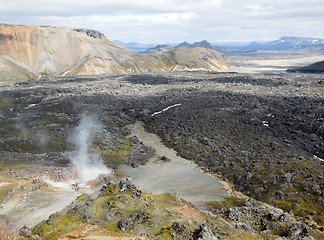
{"x": 28, "y": 52}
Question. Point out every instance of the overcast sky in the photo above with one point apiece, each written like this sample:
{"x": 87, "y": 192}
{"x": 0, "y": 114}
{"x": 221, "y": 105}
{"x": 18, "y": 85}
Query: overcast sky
{"x": 174, "y": 21}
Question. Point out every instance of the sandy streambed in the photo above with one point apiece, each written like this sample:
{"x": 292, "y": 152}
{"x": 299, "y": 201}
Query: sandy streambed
{"x": 178, "y": 176}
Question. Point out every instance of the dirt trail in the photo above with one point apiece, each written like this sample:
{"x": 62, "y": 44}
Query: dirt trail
{"x": 179, "y": 176}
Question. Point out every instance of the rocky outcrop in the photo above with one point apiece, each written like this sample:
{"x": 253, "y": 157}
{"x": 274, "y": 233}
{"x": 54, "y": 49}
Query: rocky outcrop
{"x": 92, "y": 33}
{"x": 26, "y": 234}
{"x": 206, "y": 234}
{"x": 118, "y": 212}
{"x": 253, "y": 216}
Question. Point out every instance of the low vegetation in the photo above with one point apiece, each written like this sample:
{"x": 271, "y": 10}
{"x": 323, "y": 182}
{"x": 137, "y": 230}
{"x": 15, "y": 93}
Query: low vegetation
{"x": 123, "y": 210}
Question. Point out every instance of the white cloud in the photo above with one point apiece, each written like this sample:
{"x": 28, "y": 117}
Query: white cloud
{"x": 163, "y": 21}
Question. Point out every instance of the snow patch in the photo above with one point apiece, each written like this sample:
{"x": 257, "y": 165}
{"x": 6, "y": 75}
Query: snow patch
{"x": 318, "y": 158}
{"x": 265, "y": 123}
{"x": 165, "y": 109}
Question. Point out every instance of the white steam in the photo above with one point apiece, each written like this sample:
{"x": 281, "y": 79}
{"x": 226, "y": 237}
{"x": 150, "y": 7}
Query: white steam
{"x": 42, "y": 139}
{"x": 88, "y": 165}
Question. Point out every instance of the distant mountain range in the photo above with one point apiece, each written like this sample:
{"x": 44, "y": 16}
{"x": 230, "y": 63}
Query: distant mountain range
{"x": 284, "y": 43}
{"x": 29, "y": 52}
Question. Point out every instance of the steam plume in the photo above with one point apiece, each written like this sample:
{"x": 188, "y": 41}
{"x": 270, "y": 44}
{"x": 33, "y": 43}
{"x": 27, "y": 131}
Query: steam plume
{"x": 42, "y": 139}
{"x": 88, "y": 165}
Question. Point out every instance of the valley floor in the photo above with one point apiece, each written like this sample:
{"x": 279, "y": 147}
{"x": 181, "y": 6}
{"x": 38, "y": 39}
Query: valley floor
{"x": 261, "y": 133}
{"x": 272, "y": 61}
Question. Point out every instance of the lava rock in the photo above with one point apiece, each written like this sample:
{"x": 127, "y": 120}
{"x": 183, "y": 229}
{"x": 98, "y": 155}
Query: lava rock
{"x": 26, "y": 233}
{"x": 124, "y": 225}
{"x": 205, "y": 233}
{"x": 126, "y": 185}
{"x": 286, "y": 217}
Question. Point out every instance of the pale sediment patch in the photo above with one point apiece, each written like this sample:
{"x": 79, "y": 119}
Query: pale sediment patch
{"x": 3, "y": 184}
{"x": 271, "y": 62}
{"x": 178, "y": 176}
{"x": 54, "y": 188}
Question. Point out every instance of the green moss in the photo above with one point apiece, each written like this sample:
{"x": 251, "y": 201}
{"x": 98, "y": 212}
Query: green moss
{"x": 116, "y": 156}
{"x": 282, "y": 230}
{"x": 128, "y": 145}
{"x": 217, "y": 205}
{"x": 230, "y": 201}
{"x": 235, "y": 201}
{"x": 284, "y": 204}
{"x": 164, "y": 233}
{"x": 157, "y": 212}
{"x": 59, "y": 226}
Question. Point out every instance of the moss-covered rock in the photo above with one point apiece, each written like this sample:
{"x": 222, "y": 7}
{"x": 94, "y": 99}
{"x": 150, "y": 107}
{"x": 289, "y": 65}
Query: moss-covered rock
{"x": 119, "y": 210}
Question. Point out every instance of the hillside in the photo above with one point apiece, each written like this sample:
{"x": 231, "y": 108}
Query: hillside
{"x": 28, "y": 52}
{"x": 192, "y": 59}
{"x": 317, "y": 67}
{"x": 11, "y": 69}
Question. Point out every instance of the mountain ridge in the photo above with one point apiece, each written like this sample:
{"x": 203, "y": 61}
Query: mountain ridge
{"x": 48, "y": 50}
{"x": 201, "y": 44}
